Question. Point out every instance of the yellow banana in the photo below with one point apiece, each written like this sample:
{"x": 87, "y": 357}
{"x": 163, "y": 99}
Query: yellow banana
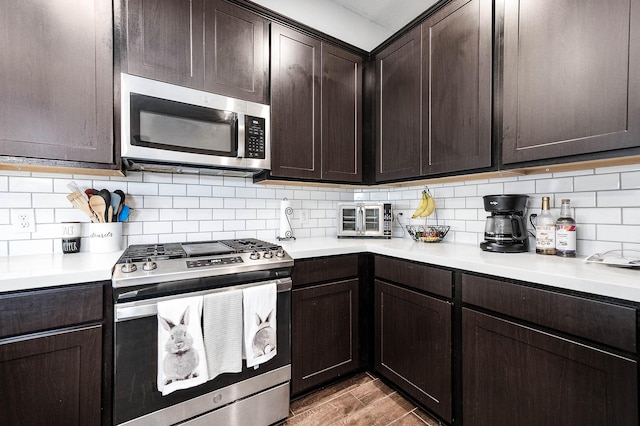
{"x": 424, "y": 204}
{"x": 431, "y": 206}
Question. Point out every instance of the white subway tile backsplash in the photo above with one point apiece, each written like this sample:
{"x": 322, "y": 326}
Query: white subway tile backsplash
{"x": 171, "y": 208}
{"x": 598, "y": 216}
{"x": 172, "y": 190}
{"x": 630, "y": 216}
{"x": 16, "y": 200}
{"x": 630, "y": 180}
{"x": 554, "y": 185}
{"x": 597, "y": 182}
{"x": 622, "y": 198}
{"x": 623, "y": 233}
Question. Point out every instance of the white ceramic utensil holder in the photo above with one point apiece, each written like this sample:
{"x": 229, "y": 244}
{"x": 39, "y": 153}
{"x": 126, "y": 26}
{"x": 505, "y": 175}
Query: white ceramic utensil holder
{"x": 105, "y": 237}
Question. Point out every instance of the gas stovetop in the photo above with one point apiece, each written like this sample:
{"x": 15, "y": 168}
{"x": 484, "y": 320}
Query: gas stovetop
{"x": 155, "y": 263}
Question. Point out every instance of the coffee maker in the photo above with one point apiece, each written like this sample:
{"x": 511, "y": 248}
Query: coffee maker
{"x": 505, "y": 230}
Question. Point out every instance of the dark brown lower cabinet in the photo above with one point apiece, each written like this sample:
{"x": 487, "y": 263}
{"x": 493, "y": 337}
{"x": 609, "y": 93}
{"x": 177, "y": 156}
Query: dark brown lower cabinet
{"x": 516, "y": 375}
{"x": 324, "y": 333}
{"x": 413, "y": 344}
{"x": 54, "y": 378}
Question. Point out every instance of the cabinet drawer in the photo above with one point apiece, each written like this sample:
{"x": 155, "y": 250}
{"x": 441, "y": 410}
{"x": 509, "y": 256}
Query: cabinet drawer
{"x": 324, "y": 269}
{"x": 32, "y": 311}
{"x": 416, "y": 275}
{"x": 594, "y": 320}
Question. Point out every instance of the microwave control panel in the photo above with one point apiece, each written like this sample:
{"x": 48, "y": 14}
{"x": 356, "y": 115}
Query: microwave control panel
{"x": 254, "y": 128}
{"x": 387, "y": 219}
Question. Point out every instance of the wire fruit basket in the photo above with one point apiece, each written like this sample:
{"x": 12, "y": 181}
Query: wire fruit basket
{"x": 428, "y": 233}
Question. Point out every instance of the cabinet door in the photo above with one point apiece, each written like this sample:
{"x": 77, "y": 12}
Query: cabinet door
{"x": 236, "y": 52}
{"x": 413, "y": 344}
{"x": 398, "y": 109}
{"x": 570, "y": 77}
{"x": 295, "y": 104}
{"x": 56, "y": 80}
{"x": 324, "y": 333}
{"x": 341, "y": 115}
{"x": 514, "y": 373}
{"x": 165, "y": 40}
{"x": 456, "y": 87}
{"x": 53, "y": 379}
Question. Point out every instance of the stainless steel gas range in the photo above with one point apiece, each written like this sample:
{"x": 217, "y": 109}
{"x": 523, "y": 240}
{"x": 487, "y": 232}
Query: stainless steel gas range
{"x": 148, "y": 276}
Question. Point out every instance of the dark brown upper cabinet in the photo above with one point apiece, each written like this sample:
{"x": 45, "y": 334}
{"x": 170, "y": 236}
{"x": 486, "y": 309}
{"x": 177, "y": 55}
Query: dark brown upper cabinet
{"x": 164, "y": 41}
{"x": 398, "y": 109}
{"x": 456, "y": 87}
{"x": 316, "y": 109}
{"x": 56, "y": 80}
{"x": 236, "y": 52}
{"x": 341, "y": 115}
{"x": 570, "y": 77}
{"x": 208, "y": 45}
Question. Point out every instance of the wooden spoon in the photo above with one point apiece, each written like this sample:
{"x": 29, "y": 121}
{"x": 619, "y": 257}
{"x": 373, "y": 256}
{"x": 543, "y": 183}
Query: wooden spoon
{"x": 98, "y": 206}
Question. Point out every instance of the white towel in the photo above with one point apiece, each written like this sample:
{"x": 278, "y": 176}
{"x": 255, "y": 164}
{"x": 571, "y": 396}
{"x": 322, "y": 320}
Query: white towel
{"x": 181, "y": 357}
{"x": 259, "y": 311}
{"x": 222, "y": 327}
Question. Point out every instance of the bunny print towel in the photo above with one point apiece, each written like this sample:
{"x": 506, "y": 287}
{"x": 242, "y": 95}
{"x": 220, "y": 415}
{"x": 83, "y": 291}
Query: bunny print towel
{"x": 259, "y": 312}
{"x": 181, "y": 358}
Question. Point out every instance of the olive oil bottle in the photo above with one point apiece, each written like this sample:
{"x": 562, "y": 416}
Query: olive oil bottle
{"x": 545, "y": 230}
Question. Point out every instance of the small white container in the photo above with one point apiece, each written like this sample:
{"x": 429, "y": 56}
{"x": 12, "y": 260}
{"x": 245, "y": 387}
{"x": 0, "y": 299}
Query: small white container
{"x": 105, "y": 237}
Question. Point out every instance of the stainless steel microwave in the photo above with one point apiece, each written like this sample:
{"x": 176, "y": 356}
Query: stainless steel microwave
{"x": 164, "y": 125}
{"x": 365, "y": 219}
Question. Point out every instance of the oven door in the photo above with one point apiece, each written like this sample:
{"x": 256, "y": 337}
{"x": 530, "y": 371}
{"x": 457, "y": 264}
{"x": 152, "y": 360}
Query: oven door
{"x": 136, "y": 397}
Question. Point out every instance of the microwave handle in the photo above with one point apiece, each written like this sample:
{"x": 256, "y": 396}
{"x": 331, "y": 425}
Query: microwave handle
{"x": 240, "y": 121}
{"x": 360, "y": 220}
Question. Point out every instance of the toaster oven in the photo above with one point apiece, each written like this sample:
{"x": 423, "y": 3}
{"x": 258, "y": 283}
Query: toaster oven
{"x": 364, "y": 219}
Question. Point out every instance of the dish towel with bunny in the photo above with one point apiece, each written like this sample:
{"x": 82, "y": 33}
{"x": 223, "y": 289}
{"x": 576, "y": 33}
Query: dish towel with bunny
{"x": 222, "y": 328}
{"x": 259, "y": 311}
{"x": 182, "y": 362}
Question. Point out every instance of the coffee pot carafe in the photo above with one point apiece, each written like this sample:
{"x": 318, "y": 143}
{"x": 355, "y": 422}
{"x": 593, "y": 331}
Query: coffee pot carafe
{"x": 505, "y": 230}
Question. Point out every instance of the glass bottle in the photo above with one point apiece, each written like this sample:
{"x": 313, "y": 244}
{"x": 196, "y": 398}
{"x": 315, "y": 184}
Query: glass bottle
{"x": 545, "y": 230}
{"x": 565, "y": 232}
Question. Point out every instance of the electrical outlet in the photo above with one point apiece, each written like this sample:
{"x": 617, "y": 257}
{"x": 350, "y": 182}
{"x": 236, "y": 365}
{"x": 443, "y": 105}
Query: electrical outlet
{"x": 304, "y": 217}
{"x": 23, "y": 221}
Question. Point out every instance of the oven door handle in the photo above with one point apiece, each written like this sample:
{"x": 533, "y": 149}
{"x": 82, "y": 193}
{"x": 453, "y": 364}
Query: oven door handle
{"x": 147, "y": 308}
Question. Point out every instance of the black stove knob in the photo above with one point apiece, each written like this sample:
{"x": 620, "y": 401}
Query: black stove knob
{"x": 280, "y": 252}
{"x": 149, "y": 265}
{"x": 268, "y": 255}
{"x": 128, "y": 267}
{"x": 254, "y": 255}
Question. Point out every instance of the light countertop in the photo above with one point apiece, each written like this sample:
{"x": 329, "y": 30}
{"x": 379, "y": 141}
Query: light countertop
{"x": 566, "y": 273}
{"x": 21, "y": 273}
{"x": 47, "y": 270}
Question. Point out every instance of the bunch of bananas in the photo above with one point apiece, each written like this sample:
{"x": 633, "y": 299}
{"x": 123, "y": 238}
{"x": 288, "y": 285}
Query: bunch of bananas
{"x": 426, "y": 207}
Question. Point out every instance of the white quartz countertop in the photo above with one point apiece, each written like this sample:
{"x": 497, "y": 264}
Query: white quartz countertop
{"x": 48, "y": 270}
{"x": 30, "y": 272}
{"x": 566, "y": 273}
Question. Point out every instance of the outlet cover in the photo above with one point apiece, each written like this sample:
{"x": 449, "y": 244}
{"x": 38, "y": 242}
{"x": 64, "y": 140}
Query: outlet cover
{"x": 23, "y": 220}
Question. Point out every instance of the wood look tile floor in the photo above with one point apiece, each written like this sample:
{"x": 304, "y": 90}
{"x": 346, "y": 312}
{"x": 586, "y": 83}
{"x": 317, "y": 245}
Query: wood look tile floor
{"x": 362, "y": 400}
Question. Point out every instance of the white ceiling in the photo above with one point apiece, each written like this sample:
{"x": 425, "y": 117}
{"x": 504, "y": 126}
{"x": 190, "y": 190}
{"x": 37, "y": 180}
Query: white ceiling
{"x": 362, "y": 23}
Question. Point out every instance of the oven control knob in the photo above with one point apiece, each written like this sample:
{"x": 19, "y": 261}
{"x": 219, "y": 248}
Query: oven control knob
{"x": 268, "y": 255}
{"x": 128, "y": 267}
{"x": 280, "y": 252}
{"x": 149, "y": 265}
{"x": 254, "y": 255}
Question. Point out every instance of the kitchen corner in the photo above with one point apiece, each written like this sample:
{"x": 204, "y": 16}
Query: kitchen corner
{"x": 562, "y": 273}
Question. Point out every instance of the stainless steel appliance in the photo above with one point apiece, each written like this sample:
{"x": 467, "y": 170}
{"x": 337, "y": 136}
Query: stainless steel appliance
{"x": 148, "y": 274}
{"x": 176, "y": 129}
{"x": 366, "y": 219}
{"x": 505, "y": 230}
